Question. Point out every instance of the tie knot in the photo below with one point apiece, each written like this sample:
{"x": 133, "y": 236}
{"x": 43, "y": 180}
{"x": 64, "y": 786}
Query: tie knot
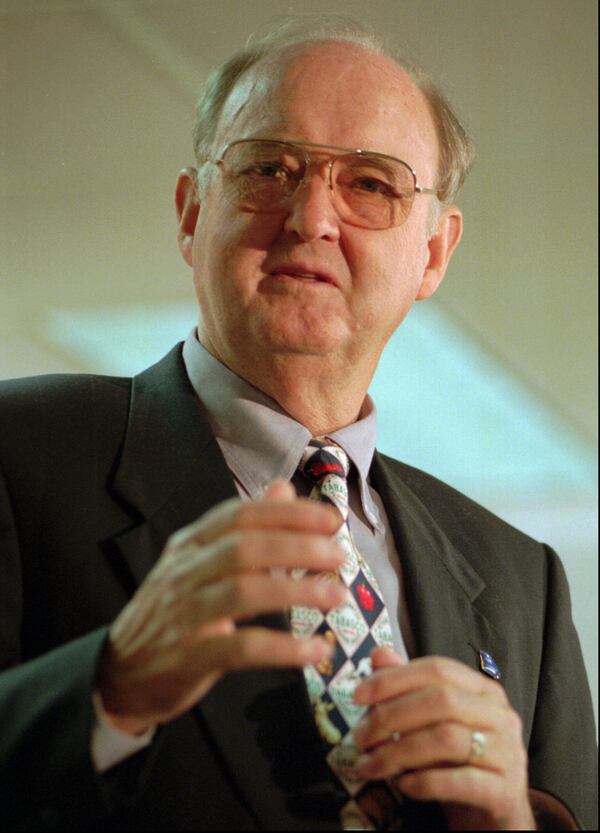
{"x": 320, "y": 461}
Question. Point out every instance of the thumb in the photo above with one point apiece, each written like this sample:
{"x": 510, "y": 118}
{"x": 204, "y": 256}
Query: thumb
{"x": 280, "y": 490}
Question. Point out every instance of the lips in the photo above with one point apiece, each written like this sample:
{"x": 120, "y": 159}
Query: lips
{"x": 302, "y": 271}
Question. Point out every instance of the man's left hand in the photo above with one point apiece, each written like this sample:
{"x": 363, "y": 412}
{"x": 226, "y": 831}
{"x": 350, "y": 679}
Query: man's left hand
{"x": 420, "y": 732}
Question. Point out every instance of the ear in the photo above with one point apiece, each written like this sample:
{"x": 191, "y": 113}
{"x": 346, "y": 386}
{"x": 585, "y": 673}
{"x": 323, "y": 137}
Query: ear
{"x": 441, "y": 245}
{"x": 187, "y": 206}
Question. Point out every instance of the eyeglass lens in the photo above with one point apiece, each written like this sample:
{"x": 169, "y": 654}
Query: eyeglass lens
{"x": 370, "y": 191}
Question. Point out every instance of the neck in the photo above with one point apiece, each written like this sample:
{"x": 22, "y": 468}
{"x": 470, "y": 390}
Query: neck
{"x": 321, "y": 400}
{"x": 313, "y": 390}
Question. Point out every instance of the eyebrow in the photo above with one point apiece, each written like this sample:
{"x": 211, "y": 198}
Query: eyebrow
{"x": 278, "y": 127}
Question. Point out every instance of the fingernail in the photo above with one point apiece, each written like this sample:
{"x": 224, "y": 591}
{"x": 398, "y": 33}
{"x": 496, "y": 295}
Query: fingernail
{"x": 336, "y": 592}
{"x": 357, "y": 734}
{"x": 363, "y": 763}
{"x": 339, "y": 553}
{"x": 315, "y": 649}
{"x": 407, "y": 781}
{"x": 360, "y": 694}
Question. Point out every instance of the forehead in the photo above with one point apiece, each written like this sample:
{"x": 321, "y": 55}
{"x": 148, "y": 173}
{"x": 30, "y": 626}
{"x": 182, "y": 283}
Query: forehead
{"x": 332, "y": 93}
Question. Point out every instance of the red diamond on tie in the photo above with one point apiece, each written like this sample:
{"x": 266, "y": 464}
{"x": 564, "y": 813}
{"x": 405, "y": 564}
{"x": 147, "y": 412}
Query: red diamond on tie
{"x": 365, "y": 597}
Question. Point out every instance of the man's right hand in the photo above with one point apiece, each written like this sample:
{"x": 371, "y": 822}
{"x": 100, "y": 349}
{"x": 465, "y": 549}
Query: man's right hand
{"x": 178, "y": 635}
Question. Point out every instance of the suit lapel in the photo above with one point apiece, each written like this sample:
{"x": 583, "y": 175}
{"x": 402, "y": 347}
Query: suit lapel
{"x": 441, "y": 585}
{"x": 171, "y": 470}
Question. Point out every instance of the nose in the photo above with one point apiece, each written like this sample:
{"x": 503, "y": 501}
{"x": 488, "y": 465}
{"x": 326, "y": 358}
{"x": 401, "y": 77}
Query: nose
{"x": 311, "y": 213}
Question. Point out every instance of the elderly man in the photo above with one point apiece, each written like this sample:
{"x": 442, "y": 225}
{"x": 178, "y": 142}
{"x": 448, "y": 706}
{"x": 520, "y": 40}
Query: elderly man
{"x": 387, "y": 655}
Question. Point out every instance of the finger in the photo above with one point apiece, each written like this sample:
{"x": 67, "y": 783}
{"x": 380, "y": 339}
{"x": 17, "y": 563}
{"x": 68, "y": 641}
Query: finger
{"x": 261, "y": 648}
{"x": 423, "y": 672}
{"x": 180, "y": 619}
{"x": 280, "y": 490}
{"x": 251, "y": 551}
{"x": 300, "y": 514}
{"x": 464, "y": 785}
{"x": 251, "y": 595}
{"x": 442, "y": 745}
{"x": 169, "y": 682}
{"x": 428, "y": 707}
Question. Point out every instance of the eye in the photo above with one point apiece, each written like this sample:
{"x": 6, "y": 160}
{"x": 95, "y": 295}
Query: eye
{"x": 267, "y": 170}
{"x": 371, "y": 185}
{"x": 367, "y": 178}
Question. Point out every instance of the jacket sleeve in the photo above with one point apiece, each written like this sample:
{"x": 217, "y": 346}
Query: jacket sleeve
{"x": 562, "y": 748}
{"x": 47, "y": 779}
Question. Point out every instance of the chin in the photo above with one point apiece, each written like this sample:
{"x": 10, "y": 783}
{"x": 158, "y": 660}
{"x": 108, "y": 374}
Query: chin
{"x": 320, "y": 339}
{"x": 305, "y": 330}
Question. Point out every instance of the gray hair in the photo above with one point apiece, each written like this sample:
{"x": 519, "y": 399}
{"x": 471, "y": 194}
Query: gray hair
{"x": 455, "y": 147}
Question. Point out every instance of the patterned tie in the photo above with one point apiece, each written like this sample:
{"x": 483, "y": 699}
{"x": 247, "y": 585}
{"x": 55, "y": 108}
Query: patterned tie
{"x": 354, "y": 629}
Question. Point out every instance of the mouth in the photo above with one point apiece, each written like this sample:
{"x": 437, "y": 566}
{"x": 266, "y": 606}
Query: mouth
{"x": 300, "y": 273}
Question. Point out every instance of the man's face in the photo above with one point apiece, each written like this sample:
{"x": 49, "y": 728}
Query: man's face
{"x": 250, "y": 269}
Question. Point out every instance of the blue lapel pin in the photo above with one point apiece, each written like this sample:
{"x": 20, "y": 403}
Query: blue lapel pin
{"x": 488, "y": 665}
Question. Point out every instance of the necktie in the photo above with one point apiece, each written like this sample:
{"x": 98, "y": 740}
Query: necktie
{"x": 353, "y": 629}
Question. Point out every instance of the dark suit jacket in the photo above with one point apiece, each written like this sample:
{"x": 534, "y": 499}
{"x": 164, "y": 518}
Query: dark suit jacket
{"x": 96, "y": 473}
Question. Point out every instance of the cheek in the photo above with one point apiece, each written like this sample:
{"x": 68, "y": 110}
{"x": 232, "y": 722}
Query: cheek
{"x": 387, "y": 266}
{"x": 406, "y": 261}
{"x": 225, "y": 237}
{"x": 229, "y": 252}
{"x": 387, "y": 275}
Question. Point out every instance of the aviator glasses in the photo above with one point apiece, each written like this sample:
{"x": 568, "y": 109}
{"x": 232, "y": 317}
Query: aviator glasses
{"x": 368, "y": 189}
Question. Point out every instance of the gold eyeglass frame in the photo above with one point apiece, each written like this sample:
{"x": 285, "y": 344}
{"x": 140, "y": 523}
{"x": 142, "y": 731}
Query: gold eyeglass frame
{"x": 340, "y": 152}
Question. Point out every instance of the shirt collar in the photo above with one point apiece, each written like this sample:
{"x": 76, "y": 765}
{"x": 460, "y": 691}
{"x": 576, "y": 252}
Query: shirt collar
{"x": 259, "y": 440}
